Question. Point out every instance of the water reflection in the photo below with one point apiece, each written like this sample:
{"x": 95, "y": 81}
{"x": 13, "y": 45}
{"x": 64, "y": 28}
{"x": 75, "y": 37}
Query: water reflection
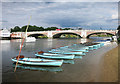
{"x": 16, "y": 40}
{"x": 83, "y": 40}
{"x": 30, "y": 44}
{"x": 49, "y": 43}
{"x": 68, "y": 61}
{"x": 39, "y": 68}
{"x": 5, "y": 45}
{"x": 80, "y": 57}
{"x": 100, "y": 38}
{"x": 4, "y": 41}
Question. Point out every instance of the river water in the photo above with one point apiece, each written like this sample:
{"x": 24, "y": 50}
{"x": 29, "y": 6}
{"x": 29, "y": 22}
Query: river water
{"x": 77, "y": 70}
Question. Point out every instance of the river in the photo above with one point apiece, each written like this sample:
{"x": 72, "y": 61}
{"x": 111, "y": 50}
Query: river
{"x": 77, "y": 70}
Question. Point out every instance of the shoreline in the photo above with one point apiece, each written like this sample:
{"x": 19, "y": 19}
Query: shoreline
{"x": 109, "y": 66}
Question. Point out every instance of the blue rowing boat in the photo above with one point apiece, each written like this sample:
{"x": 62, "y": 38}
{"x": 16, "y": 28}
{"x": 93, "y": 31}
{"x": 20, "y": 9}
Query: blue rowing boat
{"x": 38, "y": 61}
{"x": 55, "y": 56}
{"x": 71, "y": 49}
{"x": 80, "y": 50}
{"x": 68, "y": 52}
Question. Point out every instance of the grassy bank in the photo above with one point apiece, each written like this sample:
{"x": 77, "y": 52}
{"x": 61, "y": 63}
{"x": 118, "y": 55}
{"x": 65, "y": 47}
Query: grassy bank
{"x": 42, "y": 37}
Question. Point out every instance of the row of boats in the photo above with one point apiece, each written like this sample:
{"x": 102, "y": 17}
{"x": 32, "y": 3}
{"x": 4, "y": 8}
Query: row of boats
{"x": 56, "y": 56}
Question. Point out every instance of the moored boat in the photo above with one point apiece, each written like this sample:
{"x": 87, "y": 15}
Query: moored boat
{"x": 71, "y": 49}
{"x": 68, "y": 52}
{"x": 75, "y": 53}
{"x": 30, "y": 39}
{"x": 55, "y": 56}
{"x": 81, "y": 50}
{"x": 90, "y": 47}
{"x": 37, "y": 61}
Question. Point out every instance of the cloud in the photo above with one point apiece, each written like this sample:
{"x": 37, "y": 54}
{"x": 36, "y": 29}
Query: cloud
{"x": 115, "y": 16}
{"x": 89, "y": 15}
{"x": 4, "y": 21}
{"x": 60, "y": 0}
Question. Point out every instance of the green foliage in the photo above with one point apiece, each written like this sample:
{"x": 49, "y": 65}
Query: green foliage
{"x": 118, "y": 27}
{"x": 80, "y": 28}
{"x": 23, "y": 28}
{"x": 67, "y": 29}
{"x": 42, "y": 37}
{"x": 32, "y": 28}
{"x": 11, "y": 30}
{"x": 51, "y": 28}
{"x": 69, "y": 36}
{"x": 118, "y": 38}
{"x": 100, "y": 35}
{"x": 16, "y": 29}
{"x": 35, "y": 28}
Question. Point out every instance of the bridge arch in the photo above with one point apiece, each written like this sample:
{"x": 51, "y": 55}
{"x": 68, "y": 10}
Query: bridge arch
{"x": 59, "y": 34}
{"x": 36, "y": 35}
{"x": 99, "y": 33}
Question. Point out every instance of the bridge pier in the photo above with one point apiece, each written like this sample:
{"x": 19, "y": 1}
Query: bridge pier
{"x": 84, "y": 37}
{"x": 49, "y": 35}
{"x": 83, "y": 34}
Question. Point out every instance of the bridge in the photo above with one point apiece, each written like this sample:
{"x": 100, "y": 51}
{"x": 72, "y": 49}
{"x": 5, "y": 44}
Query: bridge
{"x": 57, "y": 34}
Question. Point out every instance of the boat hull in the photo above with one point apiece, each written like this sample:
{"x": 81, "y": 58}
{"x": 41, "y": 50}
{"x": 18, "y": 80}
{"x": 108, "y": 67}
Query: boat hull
{"x": 68, "y": 52}
{"x": 56, "y": 56}
{"x": 38, "y": 62}
{"x": 30, "y": 39}
{"x": 74, "y": 49}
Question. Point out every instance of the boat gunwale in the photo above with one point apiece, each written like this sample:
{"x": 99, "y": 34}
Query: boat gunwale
{"x": 58, "y": 54}
{"x": 14, "y": 58}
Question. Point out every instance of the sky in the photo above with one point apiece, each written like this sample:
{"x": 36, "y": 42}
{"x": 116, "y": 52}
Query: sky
{"x": 87, "y": 15}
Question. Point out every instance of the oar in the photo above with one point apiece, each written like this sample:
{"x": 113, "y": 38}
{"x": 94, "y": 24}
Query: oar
{"x": 22, "y": 45}
{"x": 19, "y": 54}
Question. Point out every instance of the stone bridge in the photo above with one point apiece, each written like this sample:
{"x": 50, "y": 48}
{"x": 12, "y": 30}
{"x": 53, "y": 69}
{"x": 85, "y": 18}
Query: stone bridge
{"x": 57, "y": 34}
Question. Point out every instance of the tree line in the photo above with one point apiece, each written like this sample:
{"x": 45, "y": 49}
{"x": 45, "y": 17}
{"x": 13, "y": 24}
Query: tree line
{"x": 118, "y": 34}
{"x": 36, "y": 28}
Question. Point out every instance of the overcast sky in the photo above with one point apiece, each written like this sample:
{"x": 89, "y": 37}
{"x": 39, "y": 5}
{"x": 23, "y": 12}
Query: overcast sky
{"x": 88, "y": 15}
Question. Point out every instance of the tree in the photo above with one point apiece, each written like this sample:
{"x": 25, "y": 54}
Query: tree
{"x": 67, "y": 29}
{"x": 41, "y": 29}
{"x": 118, "y": 27}
{"x": 23, "y": 28}
{"x": 36, "y": 28}
{"x": 51, "y": 28}
{"x": 11, "y": 30}
{"x": 79, "y": 28}
{"x": 16, "y": 29}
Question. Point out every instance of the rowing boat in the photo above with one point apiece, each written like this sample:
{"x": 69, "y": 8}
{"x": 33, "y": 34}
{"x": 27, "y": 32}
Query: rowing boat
{"x": 70, "y": 49}
{"x": 37, "y": 61}
{"x": 55, "y": 56}
{"x": 68, "y": 52}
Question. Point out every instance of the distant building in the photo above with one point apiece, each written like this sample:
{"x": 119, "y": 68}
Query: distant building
{"x": 58, "y": 29}
{"x": 5, "y": 33}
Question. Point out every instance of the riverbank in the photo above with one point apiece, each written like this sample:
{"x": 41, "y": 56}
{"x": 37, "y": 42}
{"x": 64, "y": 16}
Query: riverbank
{"x": 109, "y": 69}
